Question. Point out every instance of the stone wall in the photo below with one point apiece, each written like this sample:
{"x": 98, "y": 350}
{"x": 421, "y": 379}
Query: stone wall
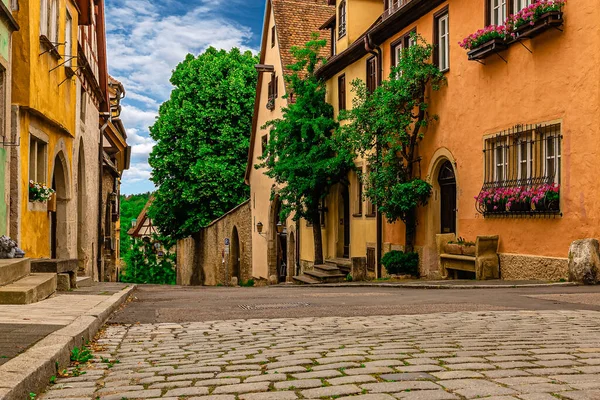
{"x": 201, "y": 259}
{"x": 525, "y": 267}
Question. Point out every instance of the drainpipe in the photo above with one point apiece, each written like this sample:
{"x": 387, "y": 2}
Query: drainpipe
{"x": 376, "y": 51}
{"x": 100, "y": 173}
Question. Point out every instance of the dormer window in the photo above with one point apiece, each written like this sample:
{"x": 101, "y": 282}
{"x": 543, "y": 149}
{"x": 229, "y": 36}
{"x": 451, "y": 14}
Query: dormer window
{"x": 342, "y": 19}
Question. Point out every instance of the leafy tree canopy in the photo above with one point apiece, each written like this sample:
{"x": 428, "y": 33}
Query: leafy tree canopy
{"x": 303, "y": 155}
{"x": 385, "y": 127}
{"x": 202, "y": 139}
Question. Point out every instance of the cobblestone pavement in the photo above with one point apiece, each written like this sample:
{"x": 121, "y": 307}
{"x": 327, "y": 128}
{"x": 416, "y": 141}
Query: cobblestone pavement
{"x": 499, "y": 355}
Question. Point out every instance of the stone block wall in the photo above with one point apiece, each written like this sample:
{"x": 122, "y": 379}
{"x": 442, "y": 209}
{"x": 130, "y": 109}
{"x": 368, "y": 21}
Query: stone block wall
{"x": 515, "y": 267}
{"x": 201, "y": 259}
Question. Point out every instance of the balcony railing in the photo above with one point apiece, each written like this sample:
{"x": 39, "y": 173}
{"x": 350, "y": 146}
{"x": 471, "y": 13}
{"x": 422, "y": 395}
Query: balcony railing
{"x": 392, "y": 6}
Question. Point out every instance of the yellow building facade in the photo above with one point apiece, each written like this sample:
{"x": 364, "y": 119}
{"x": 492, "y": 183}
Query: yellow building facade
{"x": 44, "y": 99}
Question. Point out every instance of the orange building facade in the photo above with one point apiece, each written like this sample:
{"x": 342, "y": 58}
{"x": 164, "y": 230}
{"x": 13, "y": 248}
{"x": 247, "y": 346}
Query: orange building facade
{"x": 515, "y": 116}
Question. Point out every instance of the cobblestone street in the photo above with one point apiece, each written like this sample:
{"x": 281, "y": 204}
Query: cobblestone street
{"x": 500, "y": 355}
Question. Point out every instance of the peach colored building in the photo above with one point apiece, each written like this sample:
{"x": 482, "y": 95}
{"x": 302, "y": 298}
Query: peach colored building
{"x": 518, "y": 114}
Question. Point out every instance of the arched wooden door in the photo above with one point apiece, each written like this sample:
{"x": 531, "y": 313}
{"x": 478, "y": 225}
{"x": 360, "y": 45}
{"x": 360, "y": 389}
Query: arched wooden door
{"x": 447, "y": 182}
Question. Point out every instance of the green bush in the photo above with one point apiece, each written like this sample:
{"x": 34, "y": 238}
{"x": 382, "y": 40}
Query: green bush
{"x": 248, "y": 283}
{"x": 400, "y": 263}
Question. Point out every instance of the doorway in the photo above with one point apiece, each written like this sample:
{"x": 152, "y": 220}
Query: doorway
{"x": 281, "y": 244}
{"x": 235, "y": 255}
{"x": 447, "y": 182}
{"x": 344, "y": 223}
{"x": 58, "y": 219}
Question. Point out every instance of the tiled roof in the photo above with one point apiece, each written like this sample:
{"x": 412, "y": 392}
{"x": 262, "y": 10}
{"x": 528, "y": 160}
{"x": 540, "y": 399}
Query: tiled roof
{"x": 295, "y": 21}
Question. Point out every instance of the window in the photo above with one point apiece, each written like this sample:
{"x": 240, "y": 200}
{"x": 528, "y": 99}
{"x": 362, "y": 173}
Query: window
{"x": 272, "y": 92}
{"x": 500, "y": 160}
{"x": 372, "y": 74}
{"x": 399, "y": 45}
{"x": 342, "y": 92}
{"x": 524, "y": 155}
{"x": 263, "y": 144}
{"x": 273, "y": 31}
{"x": 342, "y": 19}
{"x": 37, "y": 160}
{"x": 53, "y": 22}
{"x": 333, "y": 42}
{"x": 518, "y": 5}
{"x": 83, "y": 105}
{"x": 68, "y": 39}
{"x": 552, "y": 156}
{"x": 44, "y": 18}
{"x": 497, "y": 10}
{"x": 442, "y": 41}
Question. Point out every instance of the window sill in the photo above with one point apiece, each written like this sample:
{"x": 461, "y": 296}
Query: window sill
{"x": 49, "y": 47}
{"x": 371, "y": 215}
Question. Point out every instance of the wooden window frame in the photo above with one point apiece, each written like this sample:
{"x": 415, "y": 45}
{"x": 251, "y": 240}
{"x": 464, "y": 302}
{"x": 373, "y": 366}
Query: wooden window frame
{"x": 342, "y": 19}
{"x": 273, "y": 33}
{"x": 403, "y": 42}
{"x": 508, "y": 9}
{"x": 68, "y": 39}
{"x": 444, "y": 12}
{"x": 38, "y": 160}
{"x": 372, "y": 61}
{"x": 3, "y": 100}
{"x": 342, "y": 92}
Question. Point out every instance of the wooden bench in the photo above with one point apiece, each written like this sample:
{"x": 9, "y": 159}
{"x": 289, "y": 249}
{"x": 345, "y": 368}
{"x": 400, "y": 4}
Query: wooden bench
{"x": 485, "y": 263}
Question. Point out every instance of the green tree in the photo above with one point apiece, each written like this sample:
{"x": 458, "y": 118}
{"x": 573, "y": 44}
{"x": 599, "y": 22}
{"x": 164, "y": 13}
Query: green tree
{"x": 302, "y": 155}
{"x": 144, "y": 263}
{"x": 130, "y": 207}
{"x": 385, "y": 127}
{"x": 202, "y": 140}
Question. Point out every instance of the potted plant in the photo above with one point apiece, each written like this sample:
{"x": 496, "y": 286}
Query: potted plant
{"x": 485, "y": 42}
{"x": 536, "y": 18}
{"x": 546, "y": 197}
{"x": 38, "y": 192}
{"x": 468, "y": 249}
{"x": 454, "y": 246}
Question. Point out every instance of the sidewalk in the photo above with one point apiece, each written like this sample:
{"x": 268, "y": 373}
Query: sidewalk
{"x": 445, "y": 284}
{"x": 34, "y": 337}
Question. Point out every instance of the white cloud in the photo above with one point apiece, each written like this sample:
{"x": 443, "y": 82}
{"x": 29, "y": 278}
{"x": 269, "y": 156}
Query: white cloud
{"x": 145, "y": 43}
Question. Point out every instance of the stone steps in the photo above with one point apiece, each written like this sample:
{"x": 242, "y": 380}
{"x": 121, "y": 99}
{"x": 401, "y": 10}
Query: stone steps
{"x": 29, "y": 289}
{"x": 84, "y": 281}
{"x": 12, "y": 270}
{"x": 323, "y": 273}
{"x": 343, "y": 264}
{"x": 304, "y": 279}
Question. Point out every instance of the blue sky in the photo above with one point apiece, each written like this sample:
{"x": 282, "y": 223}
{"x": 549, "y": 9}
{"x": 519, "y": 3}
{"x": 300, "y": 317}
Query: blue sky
{"x": 146, "y": 39}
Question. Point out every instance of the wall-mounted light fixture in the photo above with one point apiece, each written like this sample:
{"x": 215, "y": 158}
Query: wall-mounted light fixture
{"x": 259, "y": 228}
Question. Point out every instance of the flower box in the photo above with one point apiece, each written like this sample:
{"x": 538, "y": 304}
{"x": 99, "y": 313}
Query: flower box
{"x": 453, "y": 248}
{"x": 51, "y": 203}
{"x": 487, "y": 49}
{"x": 520, "y": 206}
{"x": 468, "y": 250}
{"x": 551, "y": 19}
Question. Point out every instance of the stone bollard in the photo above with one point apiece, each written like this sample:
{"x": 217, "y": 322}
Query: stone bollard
{"x": 234, "y": 281}
{"x": 359, "y": 269}
{"x": 584, "y": 261}
{"x": 273, "y": 280}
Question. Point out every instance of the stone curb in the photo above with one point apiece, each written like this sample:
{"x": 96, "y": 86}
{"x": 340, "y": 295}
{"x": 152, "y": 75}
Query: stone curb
{"x": 438, "y": 286}
{"x": 30, "y": 371}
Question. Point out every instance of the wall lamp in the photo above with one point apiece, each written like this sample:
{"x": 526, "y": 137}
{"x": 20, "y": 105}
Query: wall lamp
{"x": 259, "y": 229}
